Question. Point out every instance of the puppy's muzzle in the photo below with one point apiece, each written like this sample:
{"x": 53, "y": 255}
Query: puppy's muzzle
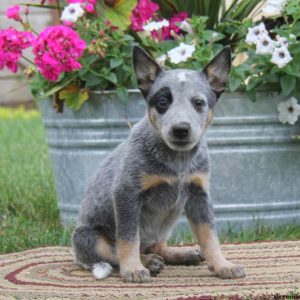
{"x": 181, "y": 132}
{"x": 180, "y": 136}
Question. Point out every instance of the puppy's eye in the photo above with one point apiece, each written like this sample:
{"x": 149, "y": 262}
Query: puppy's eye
{"x": 162, "y": 104}
{"x": 199, "y": 103}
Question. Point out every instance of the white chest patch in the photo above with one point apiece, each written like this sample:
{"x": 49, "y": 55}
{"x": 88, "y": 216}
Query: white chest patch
{"x": 182, "y": 77}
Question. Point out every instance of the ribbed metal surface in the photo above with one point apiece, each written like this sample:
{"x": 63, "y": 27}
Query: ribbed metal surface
{"x": 255, "y": 159}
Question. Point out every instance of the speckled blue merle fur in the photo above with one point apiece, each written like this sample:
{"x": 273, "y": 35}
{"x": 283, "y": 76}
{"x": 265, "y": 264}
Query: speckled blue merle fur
{"x": 162, "y": 170}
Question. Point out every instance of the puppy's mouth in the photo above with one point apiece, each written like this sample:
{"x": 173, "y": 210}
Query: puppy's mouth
{"x": 181, "y": 145}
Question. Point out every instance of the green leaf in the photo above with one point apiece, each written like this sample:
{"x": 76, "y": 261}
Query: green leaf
{"x": 212, "y": 36}
{"x": 56, "y": 88}
{"x": 119, "y": 14}
{"x": 114, "y": 63}
{"x": 74, "y": 96}
{"x": 242, "y": 69}
{"x": 251, "y": 95}
{"x": 292, "y": 69}
{"x": 273, "y": 78}
{"x": 82, "y": 72}
{"x": 36, "y": 86}
{"x": 253, "y": 82}
{"x": 234, "y": 84}
{"x": 287, "y": 84}
{"x": 112, "y": 78}
{"x": 92, "y": 80}
{"x": 122, "y": 94}
{"x": 93, "y": 58}
{"x": 128, "y": 38}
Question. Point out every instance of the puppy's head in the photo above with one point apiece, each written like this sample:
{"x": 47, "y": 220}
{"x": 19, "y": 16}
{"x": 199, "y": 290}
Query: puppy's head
{"x": 180, "y": 102}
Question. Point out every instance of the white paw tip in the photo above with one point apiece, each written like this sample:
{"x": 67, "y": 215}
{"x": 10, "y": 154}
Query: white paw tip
{"x": 101, "y": 270}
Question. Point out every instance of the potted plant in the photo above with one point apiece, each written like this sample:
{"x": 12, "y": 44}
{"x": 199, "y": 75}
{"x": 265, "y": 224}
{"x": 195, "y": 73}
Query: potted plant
{"x": 85, "y": 65}
{"x": 253, "y": 154}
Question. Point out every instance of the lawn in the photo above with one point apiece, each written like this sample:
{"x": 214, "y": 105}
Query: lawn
{"x": 29, "y": 216}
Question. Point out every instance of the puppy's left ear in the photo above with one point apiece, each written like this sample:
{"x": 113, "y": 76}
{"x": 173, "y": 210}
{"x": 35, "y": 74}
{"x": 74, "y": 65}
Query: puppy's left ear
{"x": 146, "y": 69}
{"x": 217, "y": 71}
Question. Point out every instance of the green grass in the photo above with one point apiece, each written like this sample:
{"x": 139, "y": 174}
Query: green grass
{"x": 261, "y": 233}
{"x": 29, "y": 216}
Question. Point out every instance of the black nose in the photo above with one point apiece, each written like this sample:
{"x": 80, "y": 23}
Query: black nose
{"x": 181, "y": 130}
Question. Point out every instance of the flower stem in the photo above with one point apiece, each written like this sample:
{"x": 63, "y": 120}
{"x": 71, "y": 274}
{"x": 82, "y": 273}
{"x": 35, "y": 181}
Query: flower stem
{"x": 58, "y": 7}
{"x": 34, "y": 31}
{"x": 28, "y": 60}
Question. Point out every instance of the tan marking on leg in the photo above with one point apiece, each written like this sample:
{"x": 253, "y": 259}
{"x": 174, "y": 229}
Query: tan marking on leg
{"x": 106, "y": 250}
{"x": 199, "y": 179}
{"x": 131, "y": 267}
{"x": 209, "y": 244}
{"x": 150, "y": 181}
{"x": 129, "y": 253}
{"x": 177, "y": 255}
{"x": 210, "y": 247}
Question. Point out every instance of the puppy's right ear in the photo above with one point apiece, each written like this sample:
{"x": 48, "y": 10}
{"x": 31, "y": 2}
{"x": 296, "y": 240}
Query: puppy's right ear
{"x": 145, "y": 68}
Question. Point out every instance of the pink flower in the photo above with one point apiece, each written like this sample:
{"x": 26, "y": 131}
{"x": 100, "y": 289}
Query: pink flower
{"x": 90, "y": 8}
{"x": 177, "y": 18}
{"x": 13, "y": 12}
{"x": 57, "y": 50}
{"x": 12, "y": 44}
{"x": 89, "y": 4}
{"x": 142, "y": 13}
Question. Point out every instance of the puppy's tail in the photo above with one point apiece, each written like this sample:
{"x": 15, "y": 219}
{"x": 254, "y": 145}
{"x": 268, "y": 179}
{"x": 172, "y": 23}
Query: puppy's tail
{"x": 101, "y": 270}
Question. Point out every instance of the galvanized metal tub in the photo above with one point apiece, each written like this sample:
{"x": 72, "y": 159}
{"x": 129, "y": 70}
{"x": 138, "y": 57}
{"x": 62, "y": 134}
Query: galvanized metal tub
{"x": 255, "y": 159}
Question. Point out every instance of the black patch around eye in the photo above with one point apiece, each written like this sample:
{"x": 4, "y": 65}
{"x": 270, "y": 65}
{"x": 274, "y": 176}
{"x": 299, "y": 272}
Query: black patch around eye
{"x": 161, "y": 100}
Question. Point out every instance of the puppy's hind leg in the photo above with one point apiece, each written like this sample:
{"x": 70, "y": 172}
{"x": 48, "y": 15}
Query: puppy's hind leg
{"x": 93, "y": 251}
{"x": 186, "y": 255}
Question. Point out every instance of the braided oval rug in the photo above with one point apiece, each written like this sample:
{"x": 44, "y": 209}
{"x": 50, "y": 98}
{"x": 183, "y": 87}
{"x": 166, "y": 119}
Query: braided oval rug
{"x": 273, "y": 268}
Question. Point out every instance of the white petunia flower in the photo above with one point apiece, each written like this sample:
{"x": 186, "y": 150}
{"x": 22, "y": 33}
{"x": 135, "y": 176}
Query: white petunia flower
{"x": 72, "y": 12}
{"x": 265, "y": 45}
{"x": 282, "y": 41}
{"x": 281, "y": 57}
{"x": 185, "y": 26}
{"x": 161, "y": 60}
{"x": 274, "y": 7}
{"x": 151, "y": 26}
{"x": 181, "y": 53}
{"x": 292, "y": 37}
{"x": 255, "y": 33}
{"x": 289, "y": 111}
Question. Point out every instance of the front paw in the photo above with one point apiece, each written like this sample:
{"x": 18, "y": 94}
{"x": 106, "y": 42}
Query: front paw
{"x": 136, "y": 275}
{"x": 229, "y": 271}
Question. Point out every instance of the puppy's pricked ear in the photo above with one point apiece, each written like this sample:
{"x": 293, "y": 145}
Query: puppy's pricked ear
{"x": 217, "y": 71}
{"x": 146, "y": 69}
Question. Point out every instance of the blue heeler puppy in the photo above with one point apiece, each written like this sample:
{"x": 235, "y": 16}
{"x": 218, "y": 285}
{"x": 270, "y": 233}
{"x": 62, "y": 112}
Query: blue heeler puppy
{"x": 162, "y": 170}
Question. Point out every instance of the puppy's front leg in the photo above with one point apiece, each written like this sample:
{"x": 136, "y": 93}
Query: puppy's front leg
{"x": 127, "y": 209}
{"x": 200, "y": 214}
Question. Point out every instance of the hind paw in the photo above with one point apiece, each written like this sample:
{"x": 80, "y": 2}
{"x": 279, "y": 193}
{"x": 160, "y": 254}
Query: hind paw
{"x": 154, "y": 263}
